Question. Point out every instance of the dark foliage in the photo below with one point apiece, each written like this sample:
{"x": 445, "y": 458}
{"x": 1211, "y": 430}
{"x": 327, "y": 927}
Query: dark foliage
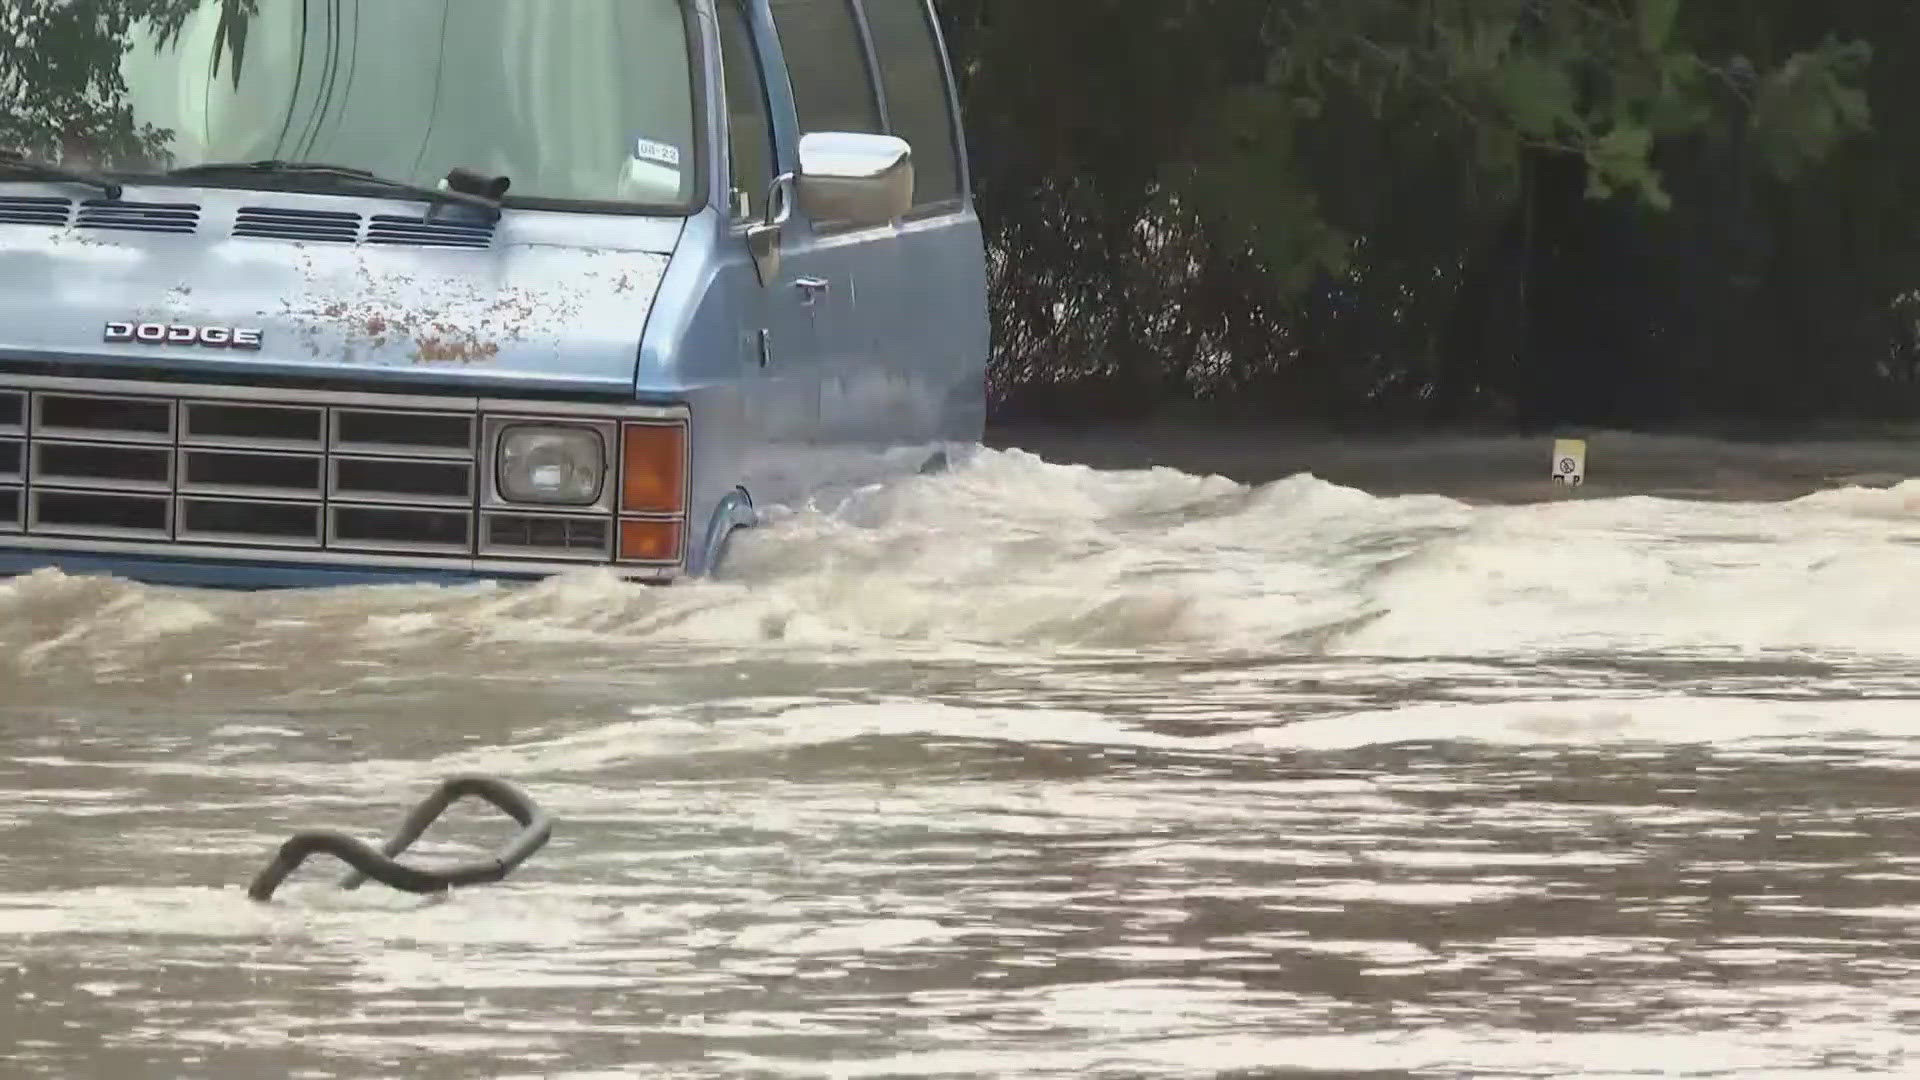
{"x": 1491, "y": 212}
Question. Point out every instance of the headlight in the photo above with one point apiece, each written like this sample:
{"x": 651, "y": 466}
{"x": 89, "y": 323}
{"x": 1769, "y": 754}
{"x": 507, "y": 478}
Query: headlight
{"x": 553, "y": 466}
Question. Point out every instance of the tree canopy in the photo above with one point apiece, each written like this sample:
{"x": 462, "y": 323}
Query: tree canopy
{"x": 1374, "y": 211}
{"x": 1500, "y": 211}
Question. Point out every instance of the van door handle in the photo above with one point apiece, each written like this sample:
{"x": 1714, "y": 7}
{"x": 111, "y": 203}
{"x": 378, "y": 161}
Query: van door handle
{"x": 812, "y": 286}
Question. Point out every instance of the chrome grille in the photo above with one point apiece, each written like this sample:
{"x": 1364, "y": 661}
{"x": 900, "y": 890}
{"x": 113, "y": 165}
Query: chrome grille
{"x": 249, "y": 521}
{"x": 367, "y": 476}
{"x": 389, "y": 431}
{"x": 527, "y": 534}
{"x": 389, "y": 528}
{"x": 101, "y": 465}
{"x": 241, "y": 472}
{"x": 398, "y": 480}
{"x": 92, "y": 513}
{"x": 225, "y": 423}
{"x": 13, "y": 460}
{"x": 87, "y": 416}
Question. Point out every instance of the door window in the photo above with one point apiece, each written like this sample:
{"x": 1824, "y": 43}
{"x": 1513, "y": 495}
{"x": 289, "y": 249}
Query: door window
{"x": 832, "y": 89}
{"x": 917, "y": 101}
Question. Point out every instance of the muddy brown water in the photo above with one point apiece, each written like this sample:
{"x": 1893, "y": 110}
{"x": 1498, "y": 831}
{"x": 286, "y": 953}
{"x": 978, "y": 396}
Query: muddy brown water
{"x": 1029, "y": 770}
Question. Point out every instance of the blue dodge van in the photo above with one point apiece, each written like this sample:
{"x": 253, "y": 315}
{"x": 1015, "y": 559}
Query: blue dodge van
{"x": 345, "y": 292}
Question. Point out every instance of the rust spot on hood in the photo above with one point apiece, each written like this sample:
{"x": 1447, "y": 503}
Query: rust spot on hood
{"x": 434, "y": 348}
{"x": 458, "y": 333}
{"x": 439, "y": 321}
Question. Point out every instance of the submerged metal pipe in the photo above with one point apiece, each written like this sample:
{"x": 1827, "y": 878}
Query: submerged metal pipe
{"x": 536, "y": 828}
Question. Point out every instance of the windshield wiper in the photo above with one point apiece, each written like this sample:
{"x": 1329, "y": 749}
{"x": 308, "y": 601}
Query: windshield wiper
{"x": 16, "y": 164}
{"x": 341, "y": 172}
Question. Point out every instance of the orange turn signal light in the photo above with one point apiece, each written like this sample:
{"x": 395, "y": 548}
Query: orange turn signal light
{"x": 653, "y": 471}
{"x": 649, "y": 541}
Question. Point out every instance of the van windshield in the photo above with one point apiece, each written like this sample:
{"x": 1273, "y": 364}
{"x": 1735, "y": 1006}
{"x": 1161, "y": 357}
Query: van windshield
{"x": 586, "y": 100}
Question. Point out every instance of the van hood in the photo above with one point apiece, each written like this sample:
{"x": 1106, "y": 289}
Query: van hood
{"x": 214, "y": 279}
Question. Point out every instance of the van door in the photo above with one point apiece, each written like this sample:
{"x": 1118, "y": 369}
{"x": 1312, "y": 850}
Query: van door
{"x": 933, "y": 329}
{"x": 843, "y": 274}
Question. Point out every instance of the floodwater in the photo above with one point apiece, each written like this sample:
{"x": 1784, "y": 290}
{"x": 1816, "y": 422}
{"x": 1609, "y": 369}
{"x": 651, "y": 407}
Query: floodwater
{"x": 1027, "y": 770}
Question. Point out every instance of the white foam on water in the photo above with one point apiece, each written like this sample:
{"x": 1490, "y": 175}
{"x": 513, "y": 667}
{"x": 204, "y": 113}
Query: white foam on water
{"x": 1581, "y": 720}
{"x": 1802, "y": 1051}
{"x": 1673, "y": 720}
{"x": 1751, "y": 727}
{"x": 1009, "y": 554}
{"x": 417, "y": 929}
{"x": 1012, "y": 550}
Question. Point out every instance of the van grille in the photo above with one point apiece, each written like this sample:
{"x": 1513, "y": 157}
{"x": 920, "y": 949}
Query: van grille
{"x": 353, "y": 477}
{"x": 419, "y": 232}
{"x": 254, "y": 222}
{"x": 25, "y": 210}
{"x": 13, "y": 457}
{"x": 318, "y": 226}
{"x": 139, "y": 217}
{"x": 240, "y": 472}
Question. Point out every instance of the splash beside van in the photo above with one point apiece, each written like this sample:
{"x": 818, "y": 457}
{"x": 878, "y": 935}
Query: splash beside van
{"x": 341, "y": 292}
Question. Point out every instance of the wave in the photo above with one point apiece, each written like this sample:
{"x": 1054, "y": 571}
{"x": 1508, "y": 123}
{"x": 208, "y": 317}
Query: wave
{"x": 1012, "y": 555}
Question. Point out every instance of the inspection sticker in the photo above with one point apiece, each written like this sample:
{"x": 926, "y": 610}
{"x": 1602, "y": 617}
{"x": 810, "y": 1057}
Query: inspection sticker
{"x": 662, "y": 153}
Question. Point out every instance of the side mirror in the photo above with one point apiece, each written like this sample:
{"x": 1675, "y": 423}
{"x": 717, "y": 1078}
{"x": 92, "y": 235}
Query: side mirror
{"x": 854, "y": 179}
{"x": 845, "y": 178}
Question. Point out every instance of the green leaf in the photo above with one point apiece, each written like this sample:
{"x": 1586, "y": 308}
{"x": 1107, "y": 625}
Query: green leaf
{"x": 1622, "y": 158}
{"x": 1538, "y": 95}
{"x": 1812, "y": 103}
{"x": 1656, "y": 19}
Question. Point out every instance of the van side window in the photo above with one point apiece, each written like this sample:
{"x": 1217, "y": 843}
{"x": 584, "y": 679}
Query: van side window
{"x": 917, "y": 102}
{"x": 832, "y": 90}
{"x": 750, "y": 131}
